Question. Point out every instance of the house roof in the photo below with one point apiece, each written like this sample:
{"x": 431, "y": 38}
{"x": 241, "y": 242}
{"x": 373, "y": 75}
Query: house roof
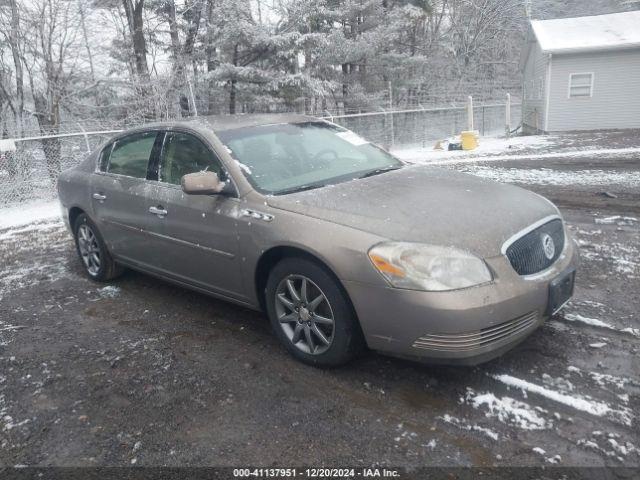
{"x": 585, "y": 34}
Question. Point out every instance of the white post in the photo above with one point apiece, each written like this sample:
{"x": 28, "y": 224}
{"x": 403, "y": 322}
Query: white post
{"x": 470, "y": 114}
{"x": 393, "y": 136}
{"x": 86, "y": 137}
{"x": 330, "y": 115}
{"x": 193, "y": 99}
{"x": 508, "y": 116}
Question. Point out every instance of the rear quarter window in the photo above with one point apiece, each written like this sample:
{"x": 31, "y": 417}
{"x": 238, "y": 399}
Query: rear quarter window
{"x": 103, "y": 160}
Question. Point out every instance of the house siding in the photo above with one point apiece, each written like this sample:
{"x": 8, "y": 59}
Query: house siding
{"x": 615, "y": 103}
{"x": 534, "y": 89}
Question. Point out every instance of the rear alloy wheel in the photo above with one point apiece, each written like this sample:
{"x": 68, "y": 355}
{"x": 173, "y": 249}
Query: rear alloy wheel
{"x": 311, "y": 314}
{"x": 89, "y": 249}
{"x": 93, "y": 253}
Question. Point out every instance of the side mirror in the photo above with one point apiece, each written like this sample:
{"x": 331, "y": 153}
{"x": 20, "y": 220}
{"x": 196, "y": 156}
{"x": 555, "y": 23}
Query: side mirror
{"x": 202, "y": 183}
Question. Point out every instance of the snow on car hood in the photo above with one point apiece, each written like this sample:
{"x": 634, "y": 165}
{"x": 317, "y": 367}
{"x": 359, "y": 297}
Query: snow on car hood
{"x": 425, "y": 204}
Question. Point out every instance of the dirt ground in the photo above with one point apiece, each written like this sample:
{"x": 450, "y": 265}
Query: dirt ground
{"x": 145, "y": 373}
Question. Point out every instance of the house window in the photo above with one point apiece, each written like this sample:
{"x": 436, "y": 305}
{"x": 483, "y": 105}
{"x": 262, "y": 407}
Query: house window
{"x": 540, "y": 88}
{"x": 580, "y": 85}
{"x": 532, "y": 90}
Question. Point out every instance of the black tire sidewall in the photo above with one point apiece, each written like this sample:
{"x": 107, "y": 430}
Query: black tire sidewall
{"x": 347, "y": 336}
{"x": 105, "y": 258}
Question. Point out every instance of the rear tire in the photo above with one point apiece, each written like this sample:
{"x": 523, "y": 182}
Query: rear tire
{"x": 307, "y": 306}
{"x": 96, "y": 260}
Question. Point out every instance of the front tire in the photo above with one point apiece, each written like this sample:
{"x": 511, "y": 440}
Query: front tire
{"x": 311, "y": 314}
{"x": 94, "y": 255}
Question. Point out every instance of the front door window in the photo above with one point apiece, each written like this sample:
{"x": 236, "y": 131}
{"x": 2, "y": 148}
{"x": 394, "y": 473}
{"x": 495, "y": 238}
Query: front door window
{"x": 183, "y": 154}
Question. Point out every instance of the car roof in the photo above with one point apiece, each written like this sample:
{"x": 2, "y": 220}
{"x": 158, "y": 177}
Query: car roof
{"x": 219, "y": 123}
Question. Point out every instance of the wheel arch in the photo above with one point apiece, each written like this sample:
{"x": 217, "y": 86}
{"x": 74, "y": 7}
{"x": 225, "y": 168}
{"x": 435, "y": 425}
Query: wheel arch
{"x": 74, "y": 213}
{"x": 271, "y": 257}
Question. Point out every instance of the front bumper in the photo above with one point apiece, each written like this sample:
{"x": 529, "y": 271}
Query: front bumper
{"x": 467, "y": 326}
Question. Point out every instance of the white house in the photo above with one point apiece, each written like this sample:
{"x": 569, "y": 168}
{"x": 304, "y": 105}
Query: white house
{"x": 582, "y": 73}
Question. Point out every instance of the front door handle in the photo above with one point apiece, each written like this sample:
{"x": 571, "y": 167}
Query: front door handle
{"x": 159, "y": 211}
{"x": 100, "y": 197}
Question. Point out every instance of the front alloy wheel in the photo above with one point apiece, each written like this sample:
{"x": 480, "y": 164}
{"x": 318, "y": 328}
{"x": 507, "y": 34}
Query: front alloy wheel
{"x": 305, "y": 314}
{"x": 311, "y": 314}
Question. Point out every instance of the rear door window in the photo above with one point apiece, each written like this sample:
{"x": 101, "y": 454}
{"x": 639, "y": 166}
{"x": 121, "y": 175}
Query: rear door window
{"x": 182, "y": 154}
{"x": 130, "y": 155}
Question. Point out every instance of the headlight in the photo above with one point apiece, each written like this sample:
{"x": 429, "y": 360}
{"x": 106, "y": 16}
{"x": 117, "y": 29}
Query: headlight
{"x": 416, "y": 266}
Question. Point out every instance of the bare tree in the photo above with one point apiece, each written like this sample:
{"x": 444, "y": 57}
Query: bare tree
{"x": 181, "y": 51}
{"x": 52, "y": 54}
{"x": 11, "y": 31}
{"x": 135, "y": 20}
{"x": 211, "y": 52}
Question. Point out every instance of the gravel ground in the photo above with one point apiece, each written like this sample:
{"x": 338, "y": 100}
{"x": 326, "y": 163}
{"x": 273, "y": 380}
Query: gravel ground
{"x": 145, "y": 373}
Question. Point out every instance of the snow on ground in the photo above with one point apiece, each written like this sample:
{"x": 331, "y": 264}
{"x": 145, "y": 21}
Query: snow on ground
{"x": 488, "y": 146}
{"x": 464, "y": 426}
{"x": 541, "y": 451}
{"x": 45, "y": 226}
{"x": 623, "y": 415}
{"x": 29, "y": 213}
{"x": 7, "y": 422}
{"x": 547, "y": 176}
{"x": 594, "y": 322}
{"x": 46, "y": 230}
{"x": 609, "y": 445}
{"x": 509, "y": 410}
{"x": 616, "y": 220}
{"x": 7, "y": 332}
{"x": 490, "y": 149}
{"x": 16, "y": 276}
{"x": 625, "y": 257}
{"x": 608, "y": 382}
{"x": 110, "y": 291}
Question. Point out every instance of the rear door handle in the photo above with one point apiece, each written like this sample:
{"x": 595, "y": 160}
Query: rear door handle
{"x": 159, "y": 211}
{"x": 100, "y": 197}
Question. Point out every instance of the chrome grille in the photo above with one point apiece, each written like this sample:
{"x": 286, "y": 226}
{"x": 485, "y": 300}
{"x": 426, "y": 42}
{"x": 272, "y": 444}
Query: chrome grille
{"x": 527, "y": 255}
{"x": 465, "y": 342}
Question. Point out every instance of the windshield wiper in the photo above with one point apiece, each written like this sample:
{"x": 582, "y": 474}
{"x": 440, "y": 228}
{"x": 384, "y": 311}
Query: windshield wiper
{"x": 301, "y": 188}
{"x": 378, "y": 171}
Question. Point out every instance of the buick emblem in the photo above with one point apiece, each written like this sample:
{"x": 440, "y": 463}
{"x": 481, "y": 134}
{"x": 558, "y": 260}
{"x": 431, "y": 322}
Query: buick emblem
{"x": 548, "y": 246}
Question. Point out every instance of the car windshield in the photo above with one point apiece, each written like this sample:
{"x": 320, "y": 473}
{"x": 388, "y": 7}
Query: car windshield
{"x": 291, "y": 157}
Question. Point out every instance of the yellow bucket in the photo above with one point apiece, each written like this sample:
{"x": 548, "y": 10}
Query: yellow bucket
{"x": 469, "y": 140}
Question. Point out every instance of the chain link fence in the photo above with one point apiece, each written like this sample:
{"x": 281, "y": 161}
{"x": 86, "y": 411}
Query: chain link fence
{"x": 421, "y": 127}
{"x": 29, "y": 166}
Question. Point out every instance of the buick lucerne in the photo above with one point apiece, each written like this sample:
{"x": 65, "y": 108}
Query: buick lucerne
{"x": 342, "y": 245}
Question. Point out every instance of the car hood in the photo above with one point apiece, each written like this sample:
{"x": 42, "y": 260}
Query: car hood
{"x": 428, "y": 205}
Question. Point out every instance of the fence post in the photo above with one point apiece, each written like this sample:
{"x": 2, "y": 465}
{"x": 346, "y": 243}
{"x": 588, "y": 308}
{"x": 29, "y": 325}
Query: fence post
{"x": 330, "y": 115}
{"x": 470, "y": 113}
{"x": 508, "y": 116}
{"x": 393, "y": 135}
{"x": 193, "y": 100}
{"x": 86, "y": 137}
